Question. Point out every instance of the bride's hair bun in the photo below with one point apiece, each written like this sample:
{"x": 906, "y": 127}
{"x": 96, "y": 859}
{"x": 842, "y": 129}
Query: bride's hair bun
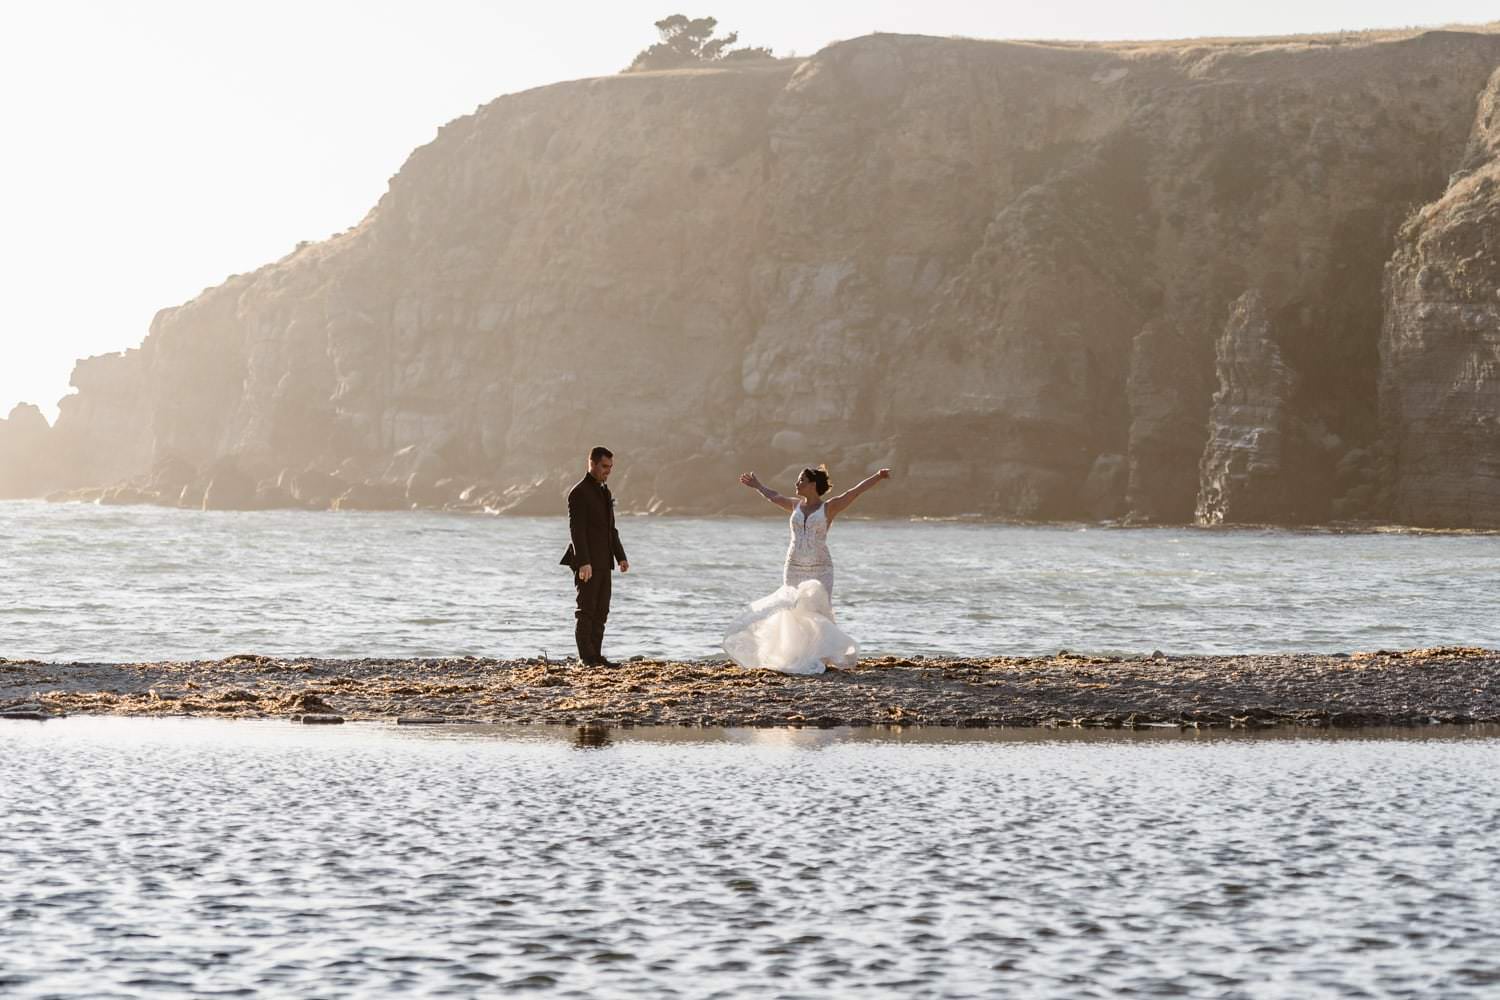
{"x": 819, "y": 477}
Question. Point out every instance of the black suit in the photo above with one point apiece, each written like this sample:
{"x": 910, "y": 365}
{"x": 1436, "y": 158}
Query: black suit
{"x": 596, "y": 543}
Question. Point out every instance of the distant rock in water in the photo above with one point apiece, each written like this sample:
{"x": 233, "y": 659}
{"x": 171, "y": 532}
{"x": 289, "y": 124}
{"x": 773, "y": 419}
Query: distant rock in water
{"x": 24, "y": 441}
{"x": 1012, "y": 272}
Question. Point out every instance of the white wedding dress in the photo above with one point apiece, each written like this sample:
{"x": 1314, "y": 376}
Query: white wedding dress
{"x": 792, "y": 630}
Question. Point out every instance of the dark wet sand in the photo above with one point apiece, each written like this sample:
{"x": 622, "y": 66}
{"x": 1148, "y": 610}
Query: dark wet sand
{"x": 1412, "y": 687}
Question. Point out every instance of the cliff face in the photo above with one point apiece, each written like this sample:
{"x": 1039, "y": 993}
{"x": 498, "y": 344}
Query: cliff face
{"x": 1243, "y": 474}
{"x": 1002, "y": 269}
{"x": 1440, "y": 349}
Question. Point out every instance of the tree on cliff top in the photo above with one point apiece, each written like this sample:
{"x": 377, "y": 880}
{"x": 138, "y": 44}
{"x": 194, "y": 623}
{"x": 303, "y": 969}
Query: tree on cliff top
{"x": 689, "y": 41}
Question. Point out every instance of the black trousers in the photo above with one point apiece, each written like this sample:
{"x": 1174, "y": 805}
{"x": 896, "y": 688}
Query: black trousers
{"x": 593, "y": 612}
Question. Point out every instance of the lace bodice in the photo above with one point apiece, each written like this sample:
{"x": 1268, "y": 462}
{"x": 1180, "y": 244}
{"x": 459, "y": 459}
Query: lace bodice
{"x": 809, "y": 545}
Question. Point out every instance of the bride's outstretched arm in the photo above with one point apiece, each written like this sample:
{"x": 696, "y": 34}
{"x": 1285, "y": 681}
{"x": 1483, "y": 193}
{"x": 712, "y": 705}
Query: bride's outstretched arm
{"x": 844, "y": 499}
{"x": 785, "y": 503}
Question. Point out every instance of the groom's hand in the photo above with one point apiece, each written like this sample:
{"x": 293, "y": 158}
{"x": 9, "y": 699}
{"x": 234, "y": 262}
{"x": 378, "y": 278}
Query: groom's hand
{"x": 585, "y": 573}
{"x": 624, "y": 567}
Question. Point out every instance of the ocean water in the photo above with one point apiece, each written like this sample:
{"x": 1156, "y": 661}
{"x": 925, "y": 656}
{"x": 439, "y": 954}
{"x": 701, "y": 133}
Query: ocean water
{"x": 85, "y": 582}
{"x": 203, "y": 858}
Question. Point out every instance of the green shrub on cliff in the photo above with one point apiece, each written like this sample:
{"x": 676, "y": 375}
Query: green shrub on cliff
{"x": 690, "y": 42}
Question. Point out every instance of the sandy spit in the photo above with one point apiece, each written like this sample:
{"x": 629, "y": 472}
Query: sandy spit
{"x": 1410, "y": 687}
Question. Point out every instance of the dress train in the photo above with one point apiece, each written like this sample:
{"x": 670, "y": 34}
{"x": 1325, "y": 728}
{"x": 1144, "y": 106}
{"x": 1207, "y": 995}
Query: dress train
{"x": 791, "y": 630}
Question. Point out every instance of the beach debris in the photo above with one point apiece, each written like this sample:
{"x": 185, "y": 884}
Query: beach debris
{"x": 303, "y": 702}
{"x": 319, "y": 719}
{"x": 31, "y": 710}
{"x": 257, "y": 659}
{"x": 1454, "y": 685}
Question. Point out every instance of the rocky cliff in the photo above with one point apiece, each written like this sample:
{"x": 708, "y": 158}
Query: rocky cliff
{"x": 1243, "y": 473}
{"x": 23, "y": 453}
{"x": 1022, "y": 275}
{"x": 1440, "y": 348}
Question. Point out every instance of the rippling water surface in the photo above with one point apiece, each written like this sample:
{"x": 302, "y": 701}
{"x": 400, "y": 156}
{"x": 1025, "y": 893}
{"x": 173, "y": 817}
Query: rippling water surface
{"x": 130, "y": 583}
{"x": 205, "y": 858}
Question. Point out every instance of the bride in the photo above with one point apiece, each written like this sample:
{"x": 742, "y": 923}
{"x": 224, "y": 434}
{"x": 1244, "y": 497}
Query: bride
{"x": 792, "y": 630}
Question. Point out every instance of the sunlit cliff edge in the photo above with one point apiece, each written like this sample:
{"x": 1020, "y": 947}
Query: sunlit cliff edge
{"x": 1223, "y": 281}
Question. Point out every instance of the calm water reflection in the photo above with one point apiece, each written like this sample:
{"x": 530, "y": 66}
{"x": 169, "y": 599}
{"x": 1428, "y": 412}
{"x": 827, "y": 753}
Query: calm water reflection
{"x": 203, "y": 858}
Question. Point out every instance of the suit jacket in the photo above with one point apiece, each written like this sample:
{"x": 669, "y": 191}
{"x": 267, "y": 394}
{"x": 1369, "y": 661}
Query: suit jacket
{"x": 591, "y": 525}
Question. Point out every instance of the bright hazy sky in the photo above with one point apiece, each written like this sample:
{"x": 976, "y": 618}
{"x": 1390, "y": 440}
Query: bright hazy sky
{"x": 154, "y": 147}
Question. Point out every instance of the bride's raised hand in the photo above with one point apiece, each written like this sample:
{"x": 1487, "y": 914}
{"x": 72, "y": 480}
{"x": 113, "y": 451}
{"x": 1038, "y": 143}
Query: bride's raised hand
{"x": 748, "y": 479}
{"x": 883, "y": 474}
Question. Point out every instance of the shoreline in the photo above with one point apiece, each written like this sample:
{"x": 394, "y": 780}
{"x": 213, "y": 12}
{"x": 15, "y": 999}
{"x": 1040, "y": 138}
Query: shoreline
{"x": 1450, "y": 684}
{"x": 1332, "y": 527}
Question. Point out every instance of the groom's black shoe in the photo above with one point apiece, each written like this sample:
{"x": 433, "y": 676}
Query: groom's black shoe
{"x": 602, "y": 662}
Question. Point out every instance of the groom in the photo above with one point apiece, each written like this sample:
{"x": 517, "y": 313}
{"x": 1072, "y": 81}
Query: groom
{"x": 593, "y": 553}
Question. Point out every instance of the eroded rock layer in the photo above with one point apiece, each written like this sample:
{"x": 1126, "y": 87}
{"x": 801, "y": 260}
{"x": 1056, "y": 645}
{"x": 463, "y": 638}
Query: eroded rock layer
{"x": 1440, "y": 385}
{"x": 1250, "y": 443}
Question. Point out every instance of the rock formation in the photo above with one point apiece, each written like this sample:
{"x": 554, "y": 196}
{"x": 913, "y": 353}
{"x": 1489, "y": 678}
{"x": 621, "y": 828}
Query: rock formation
{"x": 24, "y": 462}
{"x": 1440, "y": 348}
{"x": 1165, "y": 391}
{"x": 1243, "y": 473}
{"x": 1003, "y": 269}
